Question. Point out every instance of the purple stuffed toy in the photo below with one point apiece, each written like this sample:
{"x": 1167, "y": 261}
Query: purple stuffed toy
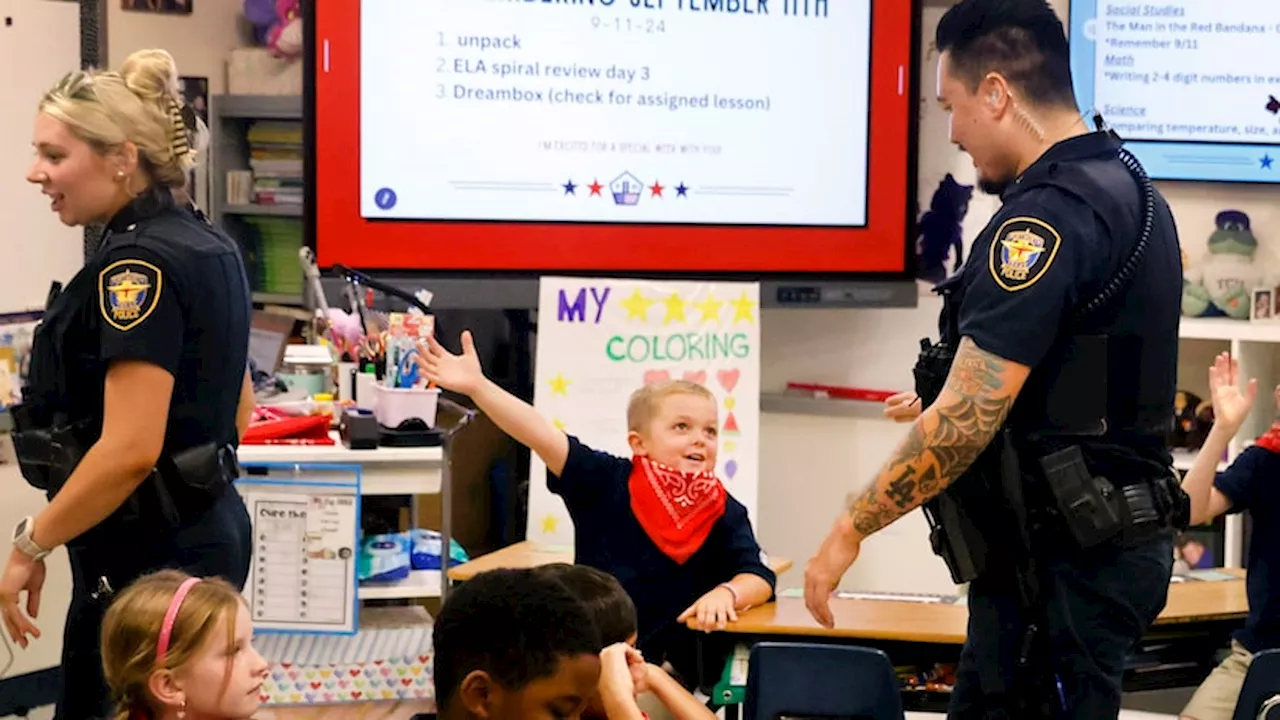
{"x": 277, "y": 25}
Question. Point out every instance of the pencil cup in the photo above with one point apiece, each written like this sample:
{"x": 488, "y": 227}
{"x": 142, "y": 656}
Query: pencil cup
{"x": 366, "y": 387}
{"x": 396, "y": 405}
{"x": 346, "y": 381}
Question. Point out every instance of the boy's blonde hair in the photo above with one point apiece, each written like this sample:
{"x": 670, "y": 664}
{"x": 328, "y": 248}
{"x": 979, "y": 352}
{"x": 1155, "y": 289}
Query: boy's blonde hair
{"x": 131, "y": 633}
{"x": 647, "y": 401}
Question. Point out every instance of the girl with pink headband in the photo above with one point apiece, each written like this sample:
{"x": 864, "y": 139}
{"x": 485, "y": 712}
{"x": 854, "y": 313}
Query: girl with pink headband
{"x": 175, "y": 647}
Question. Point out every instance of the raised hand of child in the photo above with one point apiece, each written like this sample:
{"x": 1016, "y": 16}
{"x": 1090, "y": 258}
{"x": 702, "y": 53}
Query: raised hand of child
{"x": 459, "y": 373}
{"x": 712, "y": 611}
{"x": 902, "y": 407}
{"x": 1231, "y": 404}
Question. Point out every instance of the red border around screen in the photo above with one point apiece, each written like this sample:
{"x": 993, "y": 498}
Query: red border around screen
{"x": 343, "y": 236}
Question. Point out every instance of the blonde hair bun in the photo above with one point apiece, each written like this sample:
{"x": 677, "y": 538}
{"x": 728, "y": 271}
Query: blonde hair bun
{"x": 152, "y": 75}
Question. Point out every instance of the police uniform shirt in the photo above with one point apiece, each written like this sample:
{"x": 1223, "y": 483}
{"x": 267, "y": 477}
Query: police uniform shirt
{"x": 1047, "y": 251}
{"x": 608, "y": 537}
{"x": 171, "y": 291}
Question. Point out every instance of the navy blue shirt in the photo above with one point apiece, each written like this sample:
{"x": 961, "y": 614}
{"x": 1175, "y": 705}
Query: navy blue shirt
{"x": 1250, "y": 483}
{"x": 1049, "y": 250}
{"x": 608, "y": 537}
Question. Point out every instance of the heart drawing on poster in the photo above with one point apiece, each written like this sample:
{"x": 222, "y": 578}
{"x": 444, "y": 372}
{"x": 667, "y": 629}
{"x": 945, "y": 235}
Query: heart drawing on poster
{"x": 656, "y": 376}
{"x": 731, "y": 468}
{"x": 728, "y": 379}
{"x": 699, "y": 377}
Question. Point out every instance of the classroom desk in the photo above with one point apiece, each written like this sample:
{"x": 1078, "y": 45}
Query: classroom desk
{"x": 529, "y": 554}
{"x": 1197, "y": 620}
{"x": 349, "y": 711}
{"x": 945, "y": 623}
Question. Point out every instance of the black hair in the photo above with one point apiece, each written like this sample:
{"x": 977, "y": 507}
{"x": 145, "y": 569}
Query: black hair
{"x": 606, "y": 601}
{"x": 1023, "y": 40}
{"x": 515, "y": 625}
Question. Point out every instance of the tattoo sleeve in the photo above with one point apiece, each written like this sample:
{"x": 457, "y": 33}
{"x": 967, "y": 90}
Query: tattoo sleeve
{"x": 945, "y": 440}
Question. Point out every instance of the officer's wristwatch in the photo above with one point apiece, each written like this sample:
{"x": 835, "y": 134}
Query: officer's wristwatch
{"x": 22, "y": 539}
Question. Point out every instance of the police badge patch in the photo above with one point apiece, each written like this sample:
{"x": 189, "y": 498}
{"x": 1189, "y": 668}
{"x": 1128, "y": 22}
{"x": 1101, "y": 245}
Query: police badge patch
{"x": 1022, "y": 250}
{"x": 127, "y": 292}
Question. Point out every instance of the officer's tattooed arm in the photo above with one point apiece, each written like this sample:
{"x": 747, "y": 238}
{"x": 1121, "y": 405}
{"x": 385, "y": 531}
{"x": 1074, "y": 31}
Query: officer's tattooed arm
{"x": 945, "y": 440}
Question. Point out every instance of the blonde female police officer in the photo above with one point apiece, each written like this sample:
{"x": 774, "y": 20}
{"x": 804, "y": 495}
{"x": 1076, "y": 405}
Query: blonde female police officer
{"x": 138, "y": 390}
{"x": 1059, "y": 338}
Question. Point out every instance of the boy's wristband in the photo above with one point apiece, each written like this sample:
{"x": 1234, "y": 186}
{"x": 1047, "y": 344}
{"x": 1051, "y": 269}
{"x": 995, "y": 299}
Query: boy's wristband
{"x": 732, "y": 591}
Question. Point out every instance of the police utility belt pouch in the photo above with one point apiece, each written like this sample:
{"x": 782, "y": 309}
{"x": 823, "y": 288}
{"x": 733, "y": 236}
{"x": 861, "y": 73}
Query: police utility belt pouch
{"x": 1089, "y": 506}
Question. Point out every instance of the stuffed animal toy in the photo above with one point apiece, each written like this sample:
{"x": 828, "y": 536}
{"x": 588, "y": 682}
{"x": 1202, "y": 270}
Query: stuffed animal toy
{"x": 1221, "y": 284}
{"x": 1192, "y": 420}
{"x": 940, "y": 233}
{"x": 277, "y": 25}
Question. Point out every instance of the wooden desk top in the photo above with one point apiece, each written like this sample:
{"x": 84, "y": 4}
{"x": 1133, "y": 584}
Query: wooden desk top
{"x": 945, "y": 624}
{"x": 529, "y": 554}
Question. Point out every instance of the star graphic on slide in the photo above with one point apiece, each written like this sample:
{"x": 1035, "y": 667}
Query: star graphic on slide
{"x": 1266, "y": 161}
{"x": 656, "y": 189}
{"x": 637, "y": 306}
{"x": 675, "y": 309}
{"x": 742, "y": 308}
{"x": 569, "y": 188}
{"x": 681, "y": 190}
{"x": 710, "y": 308}
{"x": 595, "y": 187}
{"x": 559, "y": 385}
{"x": 549, "y": 524}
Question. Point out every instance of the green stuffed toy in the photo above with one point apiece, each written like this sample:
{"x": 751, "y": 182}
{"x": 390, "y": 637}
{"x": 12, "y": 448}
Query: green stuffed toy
{"x": 1221, "y": 284}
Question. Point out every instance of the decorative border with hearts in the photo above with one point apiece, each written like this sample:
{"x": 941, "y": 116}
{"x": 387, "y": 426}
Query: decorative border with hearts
{"x": 728, "y": 381}
{"x": 406, "y": 678}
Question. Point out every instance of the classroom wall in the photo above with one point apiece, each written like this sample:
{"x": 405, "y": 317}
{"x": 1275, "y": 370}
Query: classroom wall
{"x": 809, "y": 464}
{"x": 199, "y": 42}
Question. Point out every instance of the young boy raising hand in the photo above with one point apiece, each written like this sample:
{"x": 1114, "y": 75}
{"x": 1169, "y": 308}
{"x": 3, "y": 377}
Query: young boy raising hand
{"x": 659, "y": 521}
{"x": 1249, "y": 483}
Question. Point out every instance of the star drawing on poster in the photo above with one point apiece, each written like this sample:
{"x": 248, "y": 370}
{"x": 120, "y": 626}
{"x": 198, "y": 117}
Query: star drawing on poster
{"x": 637, "y": 306}
{"x": 549, "y": 524}
{"x": 559, "y": 385}
{"x": 675, "y": 309}
{"x": 558, "y": 423}
{"x": 742, "y": 308}
{"x": 710, "y": 308}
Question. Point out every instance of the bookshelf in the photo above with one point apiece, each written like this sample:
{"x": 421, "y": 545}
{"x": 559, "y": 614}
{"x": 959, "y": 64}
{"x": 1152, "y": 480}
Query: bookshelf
{"x": 261, "y": 134}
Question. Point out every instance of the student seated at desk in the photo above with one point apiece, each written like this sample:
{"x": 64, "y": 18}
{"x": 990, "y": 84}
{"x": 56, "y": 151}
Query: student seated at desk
{"x": 1252, "y": 482}
{"x": 659, "y": 521}
{"x": 628, "y": 685}
{"x": 514, "y": 645}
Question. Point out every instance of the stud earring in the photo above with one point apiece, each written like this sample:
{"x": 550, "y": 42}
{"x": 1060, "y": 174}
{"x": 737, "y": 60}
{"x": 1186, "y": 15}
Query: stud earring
{"x": 119, "y": 174}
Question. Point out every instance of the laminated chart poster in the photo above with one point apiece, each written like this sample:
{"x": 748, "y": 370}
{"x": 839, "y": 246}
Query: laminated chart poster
{"x": 601, "y": 339}
{"x": 302, "y": 577}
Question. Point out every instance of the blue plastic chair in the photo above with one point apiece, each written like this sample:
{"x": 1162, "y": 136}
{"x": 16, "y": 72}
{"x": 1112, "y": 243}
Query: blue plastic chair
{"x": 810, "y": 680}
{"x": 1260, "y": 695}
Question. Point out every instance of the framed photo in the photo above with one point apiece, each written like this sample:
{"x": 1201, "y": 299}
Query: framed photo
{"x": 1275, "y": 302}
{"x": 169, "y": 7}
{"x": 1262, "y": 309}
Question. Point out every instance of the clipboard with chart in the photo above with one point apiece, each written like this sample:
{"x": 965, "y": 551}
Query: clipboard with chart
{"x": 306, "y": 525}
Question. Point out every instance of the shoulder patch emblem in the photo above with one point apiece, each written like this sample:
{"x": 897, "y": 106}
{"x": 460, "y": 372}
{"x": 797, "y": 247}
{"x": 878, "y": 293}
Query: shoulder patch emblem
{"x": 1022, "y": 251}
{"x": 128, "y": 291}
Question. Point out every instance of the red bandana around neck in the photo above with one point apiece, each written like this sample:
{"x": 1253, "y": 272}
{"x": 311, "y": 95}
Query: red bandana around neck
{"x": 676, "y": 509}
{"x": 1270, "y": 440}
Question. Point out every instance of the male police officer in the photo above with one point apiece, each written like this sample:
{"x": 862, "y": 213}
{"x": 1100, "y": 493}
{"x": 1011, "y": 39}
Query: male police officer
{"x": 1059, "y": 352}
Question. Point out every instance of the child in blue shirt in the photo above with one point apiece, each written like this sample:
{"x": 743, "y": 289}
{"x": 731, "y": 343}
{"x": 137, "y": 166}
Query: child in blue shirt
{"x": 659, "y": 521}
{"x": 1251, "y": 482}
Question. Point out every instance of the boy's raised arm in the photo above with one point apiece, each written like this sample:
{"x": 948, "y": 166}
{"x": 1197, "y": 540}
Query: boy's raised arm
{"x": 1231, "y": 406}
{"x": 517, "y": 418}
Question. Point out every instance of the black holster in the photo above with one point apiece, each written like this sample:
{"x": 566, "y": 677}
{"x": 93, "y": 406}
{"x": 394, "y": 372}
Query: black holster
{"x": 182, "y": 486}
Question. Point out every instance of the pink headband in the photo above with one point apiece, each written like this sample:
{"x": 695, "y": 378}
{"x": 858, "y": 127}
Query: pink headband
{"x": 170, "y": 616}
